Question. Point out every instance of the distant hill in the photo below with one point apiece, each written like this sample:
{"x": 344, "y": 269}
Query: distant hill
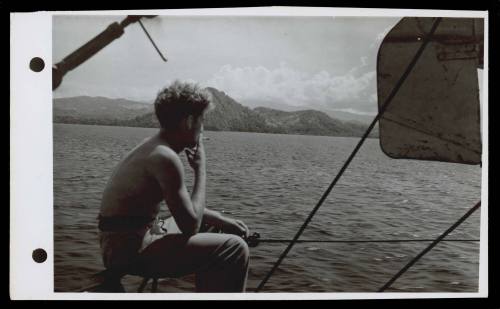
{"x": 342, "y": 115}
{"x": 97, "y": 110}
{"x": 228, "y": 115}
{"x": 348, "y": 116}
{"x": 308, "y": 122}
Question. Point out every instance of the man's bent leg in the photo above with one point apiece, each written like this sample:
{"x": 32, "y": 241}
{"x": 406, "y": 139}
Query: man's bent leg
{"x": 220, "y": 261}
{"x": 119, "y": 251}
{"x": 228, "y": 271}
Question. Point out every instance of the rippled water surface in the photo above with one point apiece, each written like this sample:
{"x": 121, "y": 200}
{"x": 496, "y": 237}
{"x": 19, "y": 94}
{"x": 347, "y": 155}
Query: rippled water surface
{"x": 272, "y": 182}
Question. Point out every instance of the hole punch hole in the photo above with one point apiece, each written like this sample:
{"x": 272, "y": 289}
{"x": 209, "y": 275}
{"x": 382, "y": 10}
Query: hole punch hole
{"x": 39, "y": 255}
{"x": 37, "y": 64}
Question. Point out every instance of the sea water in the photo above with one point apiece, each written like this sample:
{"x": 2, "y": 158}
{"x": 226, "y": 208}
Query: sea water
{"x": 271, "y": 182}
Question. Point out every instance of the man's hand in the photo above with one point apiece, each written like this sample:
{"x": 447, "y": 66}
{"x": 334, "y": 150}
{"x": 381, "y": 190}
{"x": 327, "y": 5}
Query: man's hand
{"x": 196, "y": 156}
{"x": 236, "y": 227}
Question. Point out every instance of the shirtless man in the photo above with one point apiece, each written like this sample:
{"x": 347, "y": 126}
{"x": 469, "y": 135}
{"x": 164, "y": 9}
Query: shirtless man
{"x": 153, "y": 172}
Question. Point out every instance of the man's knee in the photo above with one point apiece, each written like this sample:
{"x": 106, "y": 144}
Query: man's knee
{"x": 239, "y": 246}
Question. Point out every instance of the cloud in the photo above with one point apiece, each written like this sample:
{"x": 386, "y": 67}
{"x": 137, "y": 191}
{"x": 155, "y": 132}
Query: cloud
{"x": 289, "y": 86}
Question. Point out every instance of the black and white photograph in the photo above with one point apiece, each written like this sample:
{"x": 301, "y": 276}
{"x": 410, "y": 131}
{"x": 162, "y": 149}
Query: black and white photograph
{"x": 316, "y": 154}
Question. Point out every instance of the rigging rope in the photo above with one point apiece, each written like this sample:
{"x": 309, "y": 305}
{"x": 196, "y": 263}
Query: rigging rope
{"x": 354, "y": 152}
{"x": 152, "y": 41}
{"x": 361, "y": 241}
{"x": 429, "y": 247}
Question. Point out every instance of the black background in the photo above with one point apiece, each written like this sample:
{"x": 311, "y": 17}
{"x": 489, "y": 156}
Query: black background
{"x": 493, "y": 7}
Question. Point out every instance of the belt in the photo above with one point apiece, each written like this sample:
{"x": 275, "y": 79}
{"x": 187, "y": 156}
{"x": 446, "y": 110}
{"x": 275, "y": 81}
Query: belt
{"x": 123, "y": 223}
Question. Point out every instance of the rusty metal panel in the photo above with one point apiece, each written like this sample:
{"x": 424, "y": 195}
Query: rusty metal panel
{"x": 435, "y": 114}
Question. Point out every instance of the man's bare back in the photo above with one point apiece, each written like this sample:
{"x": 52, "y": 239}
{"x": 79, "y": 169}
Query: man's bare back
{"x": 131, "y": 189}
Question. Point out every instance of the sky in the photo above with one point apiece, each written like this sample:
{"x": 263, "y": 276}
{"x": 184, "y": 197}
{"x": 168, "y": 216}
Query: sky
{"x": 305, "y": 62}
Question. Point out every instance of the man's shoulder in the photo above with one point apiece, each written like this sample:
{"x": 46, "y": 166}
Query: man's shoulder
{"x": 163, "y": 150}
{"x": 162, "y": 155}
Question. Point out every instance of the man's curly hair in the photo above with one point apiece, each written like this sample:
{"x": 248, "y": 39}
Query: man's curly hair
{"x": 179, "y": 100}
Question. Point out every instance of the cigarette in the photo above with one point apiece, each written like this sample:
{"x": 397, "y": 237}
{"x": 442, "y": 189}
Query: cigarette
{"x": 196, "y": 148}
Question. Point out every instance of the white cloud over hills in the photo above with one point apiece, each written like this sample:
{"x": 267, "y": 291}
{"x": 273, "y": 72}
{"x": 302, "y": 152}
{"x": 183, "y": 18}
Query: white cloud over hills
{"x": 286, "y": 85}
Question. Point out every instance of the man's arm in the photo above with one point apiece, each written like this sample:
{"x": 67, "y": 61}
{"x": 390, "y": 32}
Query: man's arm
{"x": 165, "y": 165}
{"x": 212, "y": 217}
{"x": 228, "y": 225}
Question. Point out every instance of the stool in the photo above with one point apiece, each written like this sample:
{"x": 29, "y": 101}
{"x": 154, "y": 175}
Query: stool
{"x": 97, "y": 286}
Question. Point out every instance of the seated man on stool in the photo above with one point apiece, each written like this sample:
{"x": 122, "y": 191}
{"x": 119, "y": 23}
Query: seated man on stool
{"x": 153, "y": 172}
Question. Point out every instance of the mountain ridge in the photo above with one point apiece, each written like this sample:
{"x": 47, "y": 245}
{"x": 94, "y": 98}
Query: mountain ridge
{"x": 228, "y": 115}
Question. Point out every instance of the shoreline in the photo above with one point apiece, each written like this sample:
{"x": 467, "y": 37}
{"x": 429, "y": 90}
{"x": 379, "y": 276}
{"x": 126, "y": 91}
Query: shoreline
{"x": 272, "y": 133}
